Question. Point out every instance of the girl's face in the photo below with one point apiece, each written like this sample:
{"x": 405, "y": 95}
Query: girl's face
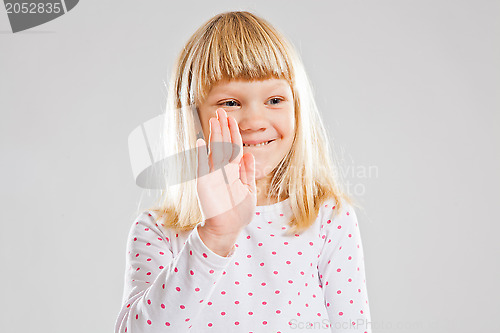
{"x": 264, "y": 111}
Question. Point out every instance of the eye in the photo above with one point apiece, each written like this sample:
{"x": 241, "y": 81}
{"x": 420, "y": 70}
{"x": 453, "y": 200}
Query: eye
{"x": 230, "y": 101}
{"x": 276, "y": 99}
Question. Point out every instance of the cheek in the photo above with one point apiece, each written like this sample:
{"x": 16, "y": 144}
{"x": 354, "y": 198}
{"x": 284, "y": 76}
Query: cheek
{"x": 288, "y": 128}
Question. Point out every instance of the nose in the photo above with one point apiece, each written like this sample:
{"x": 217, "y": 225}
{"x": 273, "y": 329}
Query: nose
{"x": 253, "y": 118}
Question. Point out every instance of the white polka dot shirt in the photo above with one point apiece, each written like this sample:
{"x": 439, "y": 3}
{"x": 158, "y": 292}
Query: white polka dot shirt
{"x": 270, "y": 282}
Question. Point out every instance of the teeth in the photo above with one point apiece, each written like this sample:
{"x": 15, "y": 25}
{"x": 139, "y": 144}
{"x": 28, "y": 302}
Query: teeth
{"x": 260, "y": 144}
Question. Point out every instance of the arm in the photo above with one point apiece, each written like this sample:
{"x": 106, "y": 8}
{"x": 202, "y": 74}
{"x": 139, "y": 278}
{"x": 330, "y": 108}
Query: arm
{"x": 163, "y": 292}
{"x": 342, "y": 273}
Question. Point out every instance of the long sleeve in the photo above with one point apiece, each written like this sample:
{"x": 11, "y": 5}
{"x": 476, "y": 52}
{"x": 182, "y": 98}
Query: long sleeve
{"x": 342, "y": 273}
{"x": 163, "y": 291}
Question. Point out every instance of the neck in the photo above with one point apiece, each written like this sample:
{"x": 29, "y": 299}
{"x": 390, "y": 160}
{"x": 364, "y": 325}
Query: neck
{"x": 262, "y": 190}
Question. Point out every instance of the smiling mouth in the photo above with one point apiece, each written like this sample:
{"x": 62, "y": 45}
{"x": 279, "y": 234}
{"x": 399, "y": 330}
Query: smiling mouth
{"x": 259, "y": 145}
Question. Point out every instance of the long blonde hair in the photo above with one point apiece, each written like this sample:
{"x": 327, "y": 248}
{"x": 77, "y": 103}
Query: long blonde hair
{"x": 241, "y": 45}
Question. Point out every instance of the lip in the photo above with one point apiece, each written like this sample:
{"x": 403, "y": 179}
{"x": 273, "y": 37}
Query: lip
{"x": 253, "y": 147}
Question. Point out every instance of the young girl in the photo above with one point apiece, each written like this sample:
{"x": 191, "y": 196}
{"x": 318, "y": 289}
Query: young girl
{"x": 264, "y": 239}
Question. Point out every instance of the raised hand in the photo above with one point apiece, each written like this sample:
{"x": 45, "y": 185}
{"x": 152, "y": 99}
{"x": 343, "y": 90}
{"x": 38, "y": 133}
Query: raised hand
{"x": 226, "y": 185}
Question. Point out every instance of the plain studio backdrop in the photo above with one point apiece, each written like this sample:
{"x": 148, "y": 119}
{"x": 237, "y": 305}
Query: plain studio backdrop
{"x": 409, "y": 94}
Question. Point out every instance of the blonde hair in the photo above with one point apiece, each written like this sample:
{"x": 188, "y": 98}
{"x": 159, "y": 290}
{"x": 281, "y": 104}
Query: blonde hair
{"x": 241, "y": 45}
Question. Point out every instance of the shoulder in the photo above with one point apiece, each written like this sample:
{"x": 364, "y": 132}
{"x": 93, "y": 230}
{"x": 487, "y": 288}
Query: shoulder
{"x": 145, "y": 221}
{"x": 338, "y": 215}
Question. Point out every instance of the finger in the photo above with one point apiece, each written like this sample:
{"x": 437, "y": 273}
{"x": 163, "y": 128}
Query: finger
{"x": 210, "y": 138}
{"x": 243, "y": 172}
{"x": 250, "y": 171}
{"x": 226, "y": 136}
{"x": 203, "y": 167}
{"x": 236, "y": 141}
{"x": 215, "y": 143}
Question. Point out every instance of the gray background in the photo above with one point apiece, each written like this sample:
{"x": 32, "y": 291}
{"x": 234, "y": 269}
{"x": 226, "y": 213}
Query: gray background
{"x": 407, "y": 88}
